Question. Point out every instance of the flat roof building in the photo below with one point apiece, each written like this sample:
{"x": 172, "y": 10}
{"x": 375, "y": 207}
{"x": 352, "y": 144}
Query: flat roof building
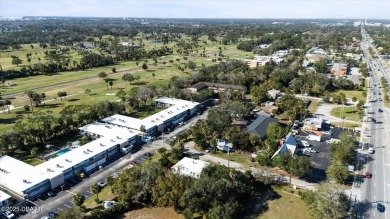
{"x": 257, "y": 61}
{"x": 189, "y": 167}
{"x": 339, "y": 69}
{"x": 114, "y": 136}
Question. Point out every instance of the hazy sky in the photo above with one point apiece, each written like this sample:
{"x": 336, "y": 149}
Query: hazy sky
{"x": 375, "y": 9}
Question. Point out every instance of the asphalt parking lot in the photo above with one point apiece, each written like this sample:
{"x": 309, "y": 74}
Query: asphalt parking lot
{"x": 322, "y": 159}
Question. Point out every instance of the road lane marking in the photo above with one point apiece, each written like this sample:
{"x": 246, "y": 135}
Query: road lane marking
{"x": 70, "y": 192}
{"x": 60, "y": 209}
{"x": 68, "y": 206}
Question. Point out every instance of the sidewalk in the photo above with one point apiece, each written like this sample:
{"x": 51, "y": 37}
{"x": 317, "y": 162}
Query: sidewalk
{"x": 207, "y": 157}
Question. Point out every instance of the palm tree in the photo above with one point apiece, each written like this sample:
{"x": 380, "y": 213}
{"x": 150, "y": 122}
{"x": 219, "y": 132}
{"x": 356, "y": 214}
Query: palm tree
{"x": 95, "y": 189}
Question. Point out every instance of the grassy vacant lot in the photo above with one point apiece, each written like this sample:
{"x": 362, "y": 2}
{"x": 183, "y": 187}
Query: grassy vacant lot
{"x": 286, "y": 206}
{"x": 350, "y": 113}
{"x": 313, "y": 106}
{"x": 149, "y": 213}
{"x": 236, "y": 157}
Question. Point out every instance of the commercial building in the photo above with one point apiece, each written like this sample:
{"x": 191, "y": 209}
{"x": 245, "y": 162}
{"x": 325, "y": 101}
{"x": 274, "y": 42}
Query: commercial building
{"x": 257, "y": 61}
{"x": 312, "y": 124}
{"x": 339, "y": 69}
{"x": 189, "y": 167}
{"x": 115, "y": 135}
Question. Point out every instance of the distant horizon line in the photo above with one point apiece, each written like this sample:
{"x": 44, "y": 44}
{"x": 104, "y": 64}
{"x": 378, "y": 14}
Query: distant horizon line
{"x": 60, "y": 16}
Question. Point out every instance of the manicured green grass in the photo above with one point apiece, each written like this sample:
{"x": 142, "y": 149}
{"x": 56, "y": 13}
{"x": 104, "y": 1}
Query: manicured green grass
{"x": 350, "y": 113}
{"x": 236, "y": 157}
{"x": 346, "y": 125}
{"x": 144, "y": 111}
{"x": 82, "y": 80}
{"x": 351, "y": 94}
{"x": 286, "y": 206}
{"x": 36, "y": 52}
{"x": 104, "y": 195}
{"x": 25, "y": 156}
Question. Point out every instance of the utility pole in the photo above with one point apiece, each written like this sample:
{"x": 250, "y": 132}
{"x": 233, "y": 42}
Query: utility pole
{"x": 228, "y": 157}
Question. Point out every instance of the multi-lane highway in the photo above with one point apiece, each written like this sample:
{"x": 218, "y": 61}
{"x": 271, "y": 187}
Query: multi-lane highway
{"x": 376, "y": 189}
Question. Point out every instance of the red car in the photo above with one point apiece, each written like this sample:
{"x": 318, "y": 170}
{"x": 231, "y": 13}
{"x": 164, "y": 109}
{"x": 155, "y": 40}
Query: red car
{"x": 368, "y": 175}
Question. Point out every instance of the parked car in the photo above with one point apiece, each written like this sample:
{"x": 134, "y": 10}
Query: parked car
{"x": 309, "y": 150}
{"x": 305, "y": 143}
{"x": 52, "y": 215}
{"x": 327, "y": 132}
{"x": 380, "y": 110}
{"x": 50, "y": 194}
{"x": 102, "y": 184}
{"x": 209, "y": 149}
{"x": 8, "y": 214}
{"x": 368, "y": 175}
{"x": 380, "y": 207}
{"x": 108, "y": 204}
{"x": 371, "y": 150}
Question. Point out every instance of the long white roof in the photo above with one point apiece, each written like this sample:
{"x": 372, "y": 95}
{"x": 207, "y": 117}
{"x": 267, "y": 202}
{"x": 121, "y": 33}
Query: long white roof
{"x": 177, "y": 106}
{"x": 19, "y": 176}
{"x": 107, "y": 130}
{"x": 18, "y": 171}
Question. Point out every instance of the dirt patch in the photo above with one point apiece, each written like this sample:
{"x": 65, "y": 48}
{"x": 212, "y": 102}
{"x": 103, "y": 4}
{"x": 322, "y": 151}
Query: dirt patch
{"x": 153, "y": 213}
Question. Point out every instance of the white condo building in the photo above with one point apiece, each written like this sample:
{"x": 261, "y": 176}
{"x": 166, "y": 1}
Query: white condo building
{"x": 113, "y": 135}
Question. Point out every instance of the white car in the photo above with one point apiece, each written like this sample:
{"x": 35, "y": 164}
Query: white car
{"x": 102, "y": 184}
{"x": 371, "y": 150}
{"x": 108, "y": 204}
{"x": 327, "y": 132}
{"x": 305, "y": 143}
{"x": 309, "y": 150}
{"x": 8, "y": 214}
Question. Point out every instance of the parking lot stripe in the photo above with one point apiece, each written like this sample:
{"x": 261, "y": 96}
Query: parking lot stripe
{"x": 70, "y": 192}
